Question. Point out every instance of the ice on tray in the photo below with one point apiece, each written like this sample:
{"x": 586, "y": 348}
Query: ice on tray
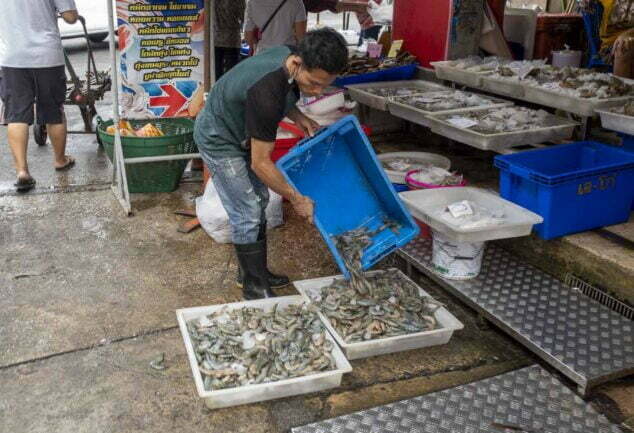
{"x": 446, "y": 100}
{"x": 469, "y": 215}
{"x": 403, "y": 165}
{"x": 568, "y": 81}
{"x": 477, "y": 64}
{"x": 499, "y": 120}
{"x": 390, "y": 92}
{"x": 437, "y": 176}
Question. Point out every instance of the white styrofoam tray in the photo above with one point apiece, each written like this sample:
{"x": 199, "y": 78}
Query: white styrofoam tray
{"x": 427, "y": 204}
{"x": 445, "y": 70}
{"x": 420, "y": 157}
{"x": 555, "y": 128}
{"x": 381, "y": 346}
{"x": 618, "y": 122}
{"x": 359, "y": 92}
{"x": 422, "y": 117}
{"x": 263, "y": 391}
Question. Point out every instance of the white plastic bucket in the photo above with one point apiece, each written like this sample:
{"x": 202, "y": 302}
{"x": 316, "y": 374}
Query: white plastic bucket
{"x": 567, "y": 58}
{"x": 456, "y": 260}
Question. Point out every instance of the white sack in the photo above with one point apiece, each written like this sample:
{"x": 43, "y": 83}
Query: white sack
{"x": 215, "y": 221}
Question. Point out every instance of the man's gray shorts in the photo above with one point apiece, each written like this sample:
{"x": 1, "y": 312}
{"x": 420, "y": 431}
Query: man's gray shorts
{"x": 21, "y": 88}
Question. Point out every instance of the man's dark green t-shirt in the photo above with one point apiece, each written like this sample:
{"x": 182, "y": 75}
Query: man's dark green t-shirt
{"x": 247, "y": 102}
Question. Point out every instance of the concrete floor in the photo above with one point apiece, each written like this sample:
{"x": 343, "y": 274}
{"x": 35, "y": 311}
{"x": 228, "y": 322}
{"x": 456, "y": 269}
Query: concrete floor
{"x": 87, "y": 299}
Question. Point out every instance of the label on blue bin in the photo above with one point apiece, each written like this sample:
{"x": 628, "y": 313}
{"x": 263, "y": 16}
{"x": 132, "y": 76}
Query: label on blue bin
{"x": 602, "y": 183}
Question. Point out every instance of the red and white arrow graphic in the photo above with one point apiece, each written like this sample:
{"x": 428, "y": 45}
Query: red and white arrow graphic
{"x": 174, "y": 100}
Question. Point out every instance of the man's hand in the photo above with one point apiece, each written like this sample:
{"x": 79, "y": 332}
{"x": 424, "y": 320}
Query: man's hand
{"x": 269, "y": 174}
{"x": 305, "y": 123}
{"x": 303, "y": 206}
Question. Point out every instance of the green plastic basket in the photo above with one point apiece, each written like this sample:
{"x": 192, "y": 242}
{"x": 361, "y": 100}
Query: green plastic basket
{"x": 153, "y": 176}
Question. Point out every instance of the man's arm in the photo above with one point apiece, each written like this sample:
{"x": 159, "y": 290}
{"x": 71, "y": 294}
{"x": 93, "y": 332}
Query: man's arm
{"x": 268, "y": 173}
{"x": 300, "y": 30}
{"x": 308, "y": 125}
{"x": 249, "y": 36}
{"x": 67, "y": 10}
{"x": 250, "y": 29}
{"x": 70, "y": 16}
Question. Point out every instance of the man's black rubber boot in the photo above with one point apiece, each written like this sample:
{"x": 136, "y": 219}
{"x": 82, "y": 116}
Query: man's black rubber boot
{"x": 252, "y": 261}
{"x": 275, "y": 281}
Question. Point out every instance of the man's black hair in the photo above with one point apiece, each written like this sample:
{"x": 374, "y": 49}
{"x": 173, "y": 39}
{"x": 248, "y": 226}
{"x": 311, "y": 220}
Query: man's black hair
{"x": 324, "y": 49}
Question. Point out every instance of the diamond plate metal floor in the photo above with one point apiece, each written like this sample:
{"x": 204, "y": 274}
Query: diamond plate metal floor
{"x": 529, "y": 400}
{"x": 584, "y": 340}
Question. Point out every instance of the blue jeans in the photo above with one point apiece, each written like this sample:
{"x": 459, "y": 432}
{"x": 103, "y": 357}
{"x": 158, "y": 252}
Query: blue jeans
{"x": 243, "y": 195}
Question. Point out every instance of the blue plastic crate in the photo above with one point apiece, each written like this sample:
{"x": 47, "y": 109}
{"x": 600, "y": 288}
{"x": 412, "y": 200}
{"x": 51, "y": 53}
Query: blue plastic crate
{"x": 574, "y": 187}
{"x": 397, "y": 73}
{"x": 339, "y": 170}
{"x": 399, "y": 187}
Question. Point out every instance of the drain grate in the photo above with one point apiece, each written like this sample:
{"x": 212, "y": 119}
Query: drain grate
{"x": 599, "y": 296}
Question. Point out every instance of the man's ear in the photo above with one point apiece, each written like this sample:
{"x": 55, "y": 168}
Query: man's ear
{"x": 298, "y": 61}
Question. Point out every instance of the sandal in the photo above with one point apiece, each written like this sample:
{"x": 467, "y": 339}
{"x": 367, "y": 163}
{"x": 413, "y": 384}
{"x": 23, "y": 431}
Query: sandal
{"x": 24, "y": 184}
{"x": 70, "y": 162}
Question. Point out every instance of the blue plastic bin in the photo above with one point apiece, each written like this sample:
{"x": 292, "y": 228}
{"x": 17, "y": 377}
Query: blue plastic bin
{"x": 339, "y": 170}
{"x": 628, "y": 142}
{"x": 398, "y": 73}
{"x": 574, "y": 187}
{"x": 399, "y": 187}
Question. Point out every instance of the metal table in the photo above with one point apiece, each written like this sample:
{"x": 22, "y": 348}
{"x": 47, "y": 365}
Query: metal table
{"x": 587, "y": 342}
{"x": 526, "y": 400}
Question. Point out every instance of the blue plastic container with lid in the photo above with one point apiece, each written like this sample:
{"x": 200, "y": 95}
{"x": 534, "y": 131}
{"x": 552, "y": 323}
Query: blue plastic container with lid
{"x": 574, "y": 187}
{"x": 339, "y": 171}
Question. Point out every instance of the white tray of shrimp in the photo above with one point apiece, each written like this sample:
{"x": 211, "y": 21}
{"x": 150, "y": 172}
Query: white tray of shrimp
{"x": 267, "y": 390}
{"x": 446, "y": 324}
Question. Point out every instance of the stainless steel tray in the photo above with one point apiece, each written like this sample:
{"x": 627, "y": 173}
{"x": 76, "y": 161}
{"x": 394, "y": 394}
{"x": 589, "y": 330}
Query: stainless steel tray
{"x": 422, "y": 117}
{"x": 581, "y": 106}
{"x": 556, "y": 128}
{"x": 500, "y": 86}
{"x": 618, "y": 122}
{"x": 446, "y": 71}
{"x": 359, "y": 92}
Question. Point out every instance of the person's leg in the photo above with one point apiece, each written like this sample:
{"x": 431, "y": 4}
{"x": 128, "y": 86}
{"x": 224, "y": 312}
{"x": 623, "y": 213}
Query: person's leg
{"x": 219, "y": 61}
{"x": 245, "y": 208}
{"x": 238, "y": 196}
{"x": 17, "y": 90}
{"x": 275, "y": 281}
{"x": 57, "y": 133}
{"x": 232, "y": 57}
{"x": 18, "y": 134}
{"x": 50, "y": 96}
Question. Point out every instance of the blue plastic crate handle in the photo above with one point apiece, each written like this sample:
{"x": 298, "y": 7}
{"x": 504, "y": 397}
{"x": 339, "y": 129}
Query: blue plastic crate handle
{"x": 318, "y": 132}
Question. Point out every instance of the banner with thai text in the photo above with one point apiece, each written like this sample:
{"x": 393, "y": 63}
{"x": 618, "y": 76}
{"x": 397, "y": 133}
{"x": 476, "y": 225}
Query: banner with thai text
{"x": 161, "y": 51}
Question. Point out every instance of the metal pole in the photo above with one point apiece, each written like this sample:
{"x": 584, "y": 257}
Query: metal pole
{"x": 207, "y": 48}
{"x": 211, "y": 52}
{"x": 119, "y": 178}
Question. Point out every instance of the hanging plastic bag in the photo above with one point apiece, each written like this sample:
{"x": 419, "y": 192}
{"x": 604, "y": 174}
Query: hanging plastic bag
{"x": 381, "y": 12}
{"x": 215, "y": 221}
